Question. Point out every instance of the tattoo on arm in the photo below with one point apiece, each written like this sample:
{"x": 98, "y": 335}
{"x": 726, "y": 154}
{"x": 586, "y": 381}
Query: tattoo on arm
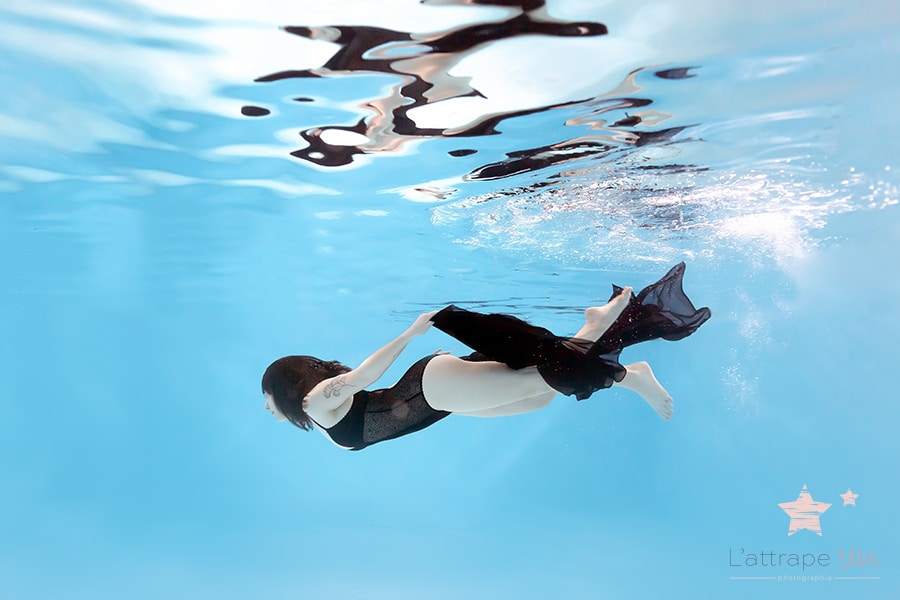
{"x": 334, "y": 387}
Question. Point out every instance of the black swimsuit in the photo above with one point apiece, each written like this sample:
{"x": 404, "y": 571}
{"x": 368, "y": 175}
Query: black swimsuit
{"x": 572, "y": 366}
{"x": 386, "y": 414}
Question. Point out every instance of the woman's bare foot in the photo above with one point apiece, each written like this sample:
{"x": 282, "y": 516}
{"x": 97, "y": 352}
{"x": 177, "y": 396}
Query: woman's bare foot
{"x": 639, "y": 378}
{"x": 597, "y": 319}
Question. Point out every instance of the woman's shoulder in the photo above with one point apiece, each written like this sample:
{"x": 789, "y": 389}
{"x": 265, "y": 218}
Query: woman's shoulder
{"x": 325, "y": 413}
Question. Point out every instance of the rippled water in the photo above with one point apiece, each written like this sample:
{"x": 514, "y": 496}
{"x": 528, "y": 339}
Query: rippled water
{"x": 673, "y": 122}
{"x": 190, "y": 190}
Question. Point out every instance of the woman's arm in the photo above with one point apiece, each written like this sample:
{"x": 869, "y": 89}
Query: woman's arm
{"x": 332, "y": 393}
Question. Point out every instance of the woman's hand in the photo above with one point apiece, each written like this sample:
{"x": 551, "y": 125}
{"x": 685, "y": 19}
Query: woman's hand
{"x": 422, "y": 324}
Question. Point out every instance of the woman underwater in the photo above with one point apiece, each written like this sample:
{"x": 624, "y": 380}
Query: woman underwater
{"x": 516, "y": 368}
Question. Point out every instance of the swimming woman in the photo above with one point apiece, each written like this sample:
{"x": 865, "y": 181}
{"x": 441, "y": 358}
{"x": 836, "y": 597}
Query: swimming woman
{"x": 516, "y": 368}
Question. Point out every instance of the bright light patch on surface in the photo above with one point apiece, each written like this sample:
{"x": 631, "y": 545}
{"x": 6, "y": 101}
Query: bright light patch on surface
{"x": 342, "y": 137}
{"x": 660, "y": 217}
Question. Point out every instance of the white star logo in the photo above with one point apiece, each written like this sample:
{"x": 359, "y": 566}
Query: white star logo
{"x": 804, "y": 513}
{"x": 849, "y": 498}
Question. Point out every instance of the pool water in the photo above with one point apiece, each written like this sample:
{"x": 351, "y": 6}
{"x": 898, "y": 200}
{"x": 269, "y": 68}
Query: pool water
{"x": 190, "y": 191}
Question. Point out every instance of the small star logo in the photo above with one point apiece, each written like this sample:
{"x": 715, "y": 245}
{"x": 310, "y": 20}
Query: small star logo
{"x": 849, "y": 498}
{"x": 804, "y": 513}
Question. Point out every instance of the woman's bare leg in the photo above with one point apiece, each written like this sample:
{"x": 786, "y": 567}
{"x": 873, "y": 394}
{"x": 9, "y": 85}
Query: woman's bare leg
{"x": 460, "y": 386}
{"x": 639, "y": 378}
{"x": 520, "y": 407}
{"x": 489, "y": 389}
{"x": 597, "y": 319}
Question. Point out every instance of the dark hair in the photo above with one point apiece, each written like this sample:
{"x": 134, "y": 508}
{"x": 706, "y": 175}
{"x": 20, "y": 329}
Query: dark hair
{"x": 288, "y": 380}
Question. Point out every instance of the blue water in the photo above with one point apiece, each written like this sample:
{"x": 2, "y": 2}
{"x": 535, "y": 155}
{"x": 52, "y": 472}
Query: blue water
{"x": 161, "y": 248}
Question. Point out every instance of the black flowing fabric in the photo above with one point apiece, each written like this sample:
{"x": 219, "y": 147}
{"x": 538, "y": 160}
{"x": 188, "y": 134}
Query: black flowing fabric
{"x": 573, "y": 366}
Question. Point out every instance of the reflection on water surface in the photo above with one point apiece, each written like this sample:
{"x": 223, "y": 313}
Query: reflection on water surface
{"x": 431, "y": 96}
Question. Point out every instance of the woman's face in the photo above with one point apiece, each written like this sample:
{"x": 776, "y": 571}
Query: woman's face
{"x": 270, "y": 406}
